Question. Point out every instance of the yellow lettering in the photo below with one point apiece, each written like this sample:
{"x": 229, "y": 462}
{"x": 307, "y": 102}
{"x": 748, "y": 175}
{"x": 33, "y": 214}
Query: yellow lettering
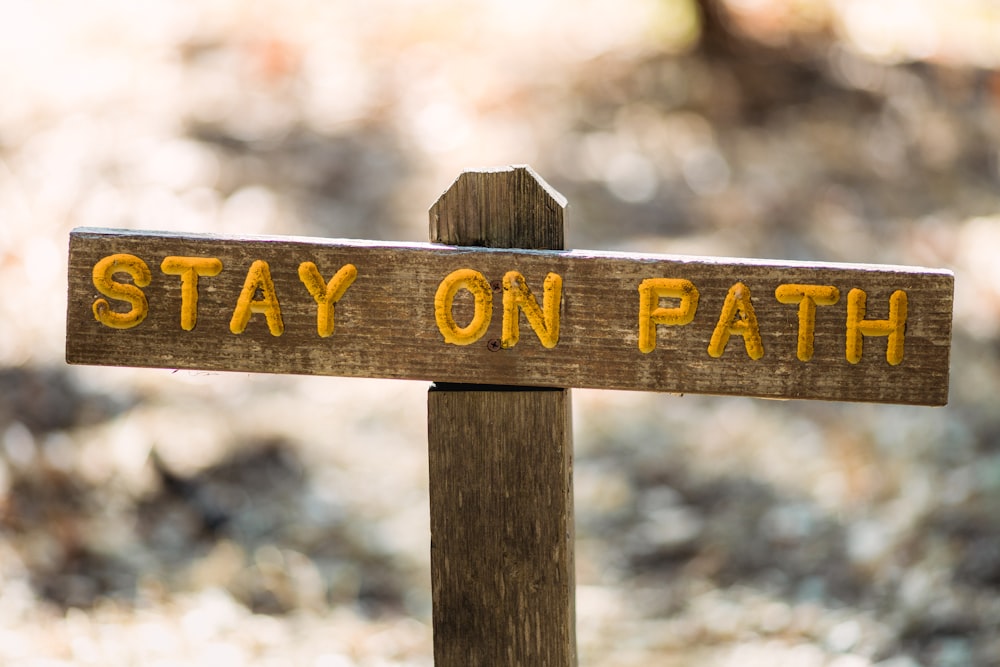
{"x": 651, "y": 290}
{"x": 474, "y": 282}
{"x": 808, "y": 297}
{"x": 258, "y": 296}
{"x": 189, "y": 268}
{"x": 544, "y": 320}
{"x": 858, "y": 326}
{"x": 738, "y": 318}
{"x": 326, "y": 294}
{"x": 104, "y": 272}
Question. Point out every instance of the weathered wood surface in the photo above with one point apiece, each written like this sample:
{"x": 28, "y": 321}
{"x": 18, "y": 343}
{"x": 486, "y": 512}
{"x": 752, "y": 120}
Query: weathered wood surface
{"x": 500, "y": 464}
{"x": 385, "y": 322}
{"x": 502, "y": 566}
{"x": 491, "y": 208}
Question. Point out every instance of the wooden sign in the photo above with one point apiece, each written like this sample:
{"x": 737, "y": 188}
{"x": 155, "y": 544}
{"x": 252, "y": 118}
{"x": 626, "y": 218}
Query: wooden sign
{"x": 510, "y": 317}
{"x": 503, "y": 333}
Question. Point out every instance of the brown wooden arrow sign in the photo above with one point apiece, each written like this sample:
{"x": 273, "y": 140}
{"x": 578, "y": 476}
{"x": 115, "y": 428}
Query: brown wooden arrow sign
{"x": 511, "y": 317}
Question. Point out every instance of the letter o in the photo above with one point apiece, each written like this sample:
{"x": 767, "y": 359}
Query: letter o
{"x": 445, "y": 298}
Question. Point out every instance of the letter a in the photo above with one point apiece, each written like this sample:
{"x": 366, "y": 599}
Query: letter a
{"x": 258, "y": 281}
{"x": 738, "y": 318}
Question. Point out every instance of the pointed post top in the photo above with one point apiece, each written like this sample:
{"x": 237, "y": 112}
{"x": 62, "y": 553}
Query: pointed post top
{"x": 505, "y": 207}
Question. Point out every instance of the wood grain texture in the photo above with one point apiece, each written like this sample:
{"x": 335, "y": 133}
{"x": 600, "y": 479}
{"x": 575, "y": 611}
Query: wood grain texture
{"x": 385, "y": 324}
{"x": 501, "y": 471}
{"x": 502, "y": 567}
{"x": 510, "y": 207}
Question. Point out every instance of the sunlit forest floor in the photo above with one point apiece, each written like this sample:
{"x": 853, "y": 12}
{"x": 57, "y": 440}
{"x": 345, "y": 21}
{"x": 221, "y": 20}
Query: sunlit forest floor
{"x": 151, "y": 517}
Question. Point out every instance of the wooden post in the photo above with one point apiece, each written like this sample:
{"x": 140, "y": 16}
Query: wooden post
{"x": 501, "y": 484}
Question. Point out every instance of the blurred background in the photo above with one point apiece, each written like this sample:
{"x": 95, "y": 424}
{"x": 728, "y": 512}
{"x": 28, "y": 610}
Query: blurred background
{"x": 150, "y": 517}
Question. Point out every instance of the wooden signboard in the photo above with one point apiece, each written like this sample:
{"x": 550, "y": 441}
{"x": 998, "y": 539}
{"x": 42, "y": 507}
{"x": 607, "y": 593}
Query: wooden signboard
{"x": 503, "y": 333}
{"x": 510, "y": 317}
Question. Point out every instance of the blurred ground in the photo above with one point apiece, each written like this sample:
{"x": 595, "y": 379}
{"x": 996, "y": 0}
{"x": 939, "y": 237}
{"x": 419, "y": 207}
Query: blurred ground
{"x": 158, "y": 518}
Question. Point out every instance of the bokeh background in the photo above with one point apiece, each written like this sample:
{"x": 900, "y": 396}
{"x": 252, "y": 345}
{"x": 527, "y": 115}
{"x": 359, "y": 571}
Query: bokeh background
{"x": 150, "y": 517}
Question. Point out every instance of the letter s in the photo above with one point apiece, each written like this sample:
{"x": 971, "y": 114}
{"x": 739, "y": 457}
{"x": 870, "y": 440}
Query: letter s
{"x": 104, "y": 281}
